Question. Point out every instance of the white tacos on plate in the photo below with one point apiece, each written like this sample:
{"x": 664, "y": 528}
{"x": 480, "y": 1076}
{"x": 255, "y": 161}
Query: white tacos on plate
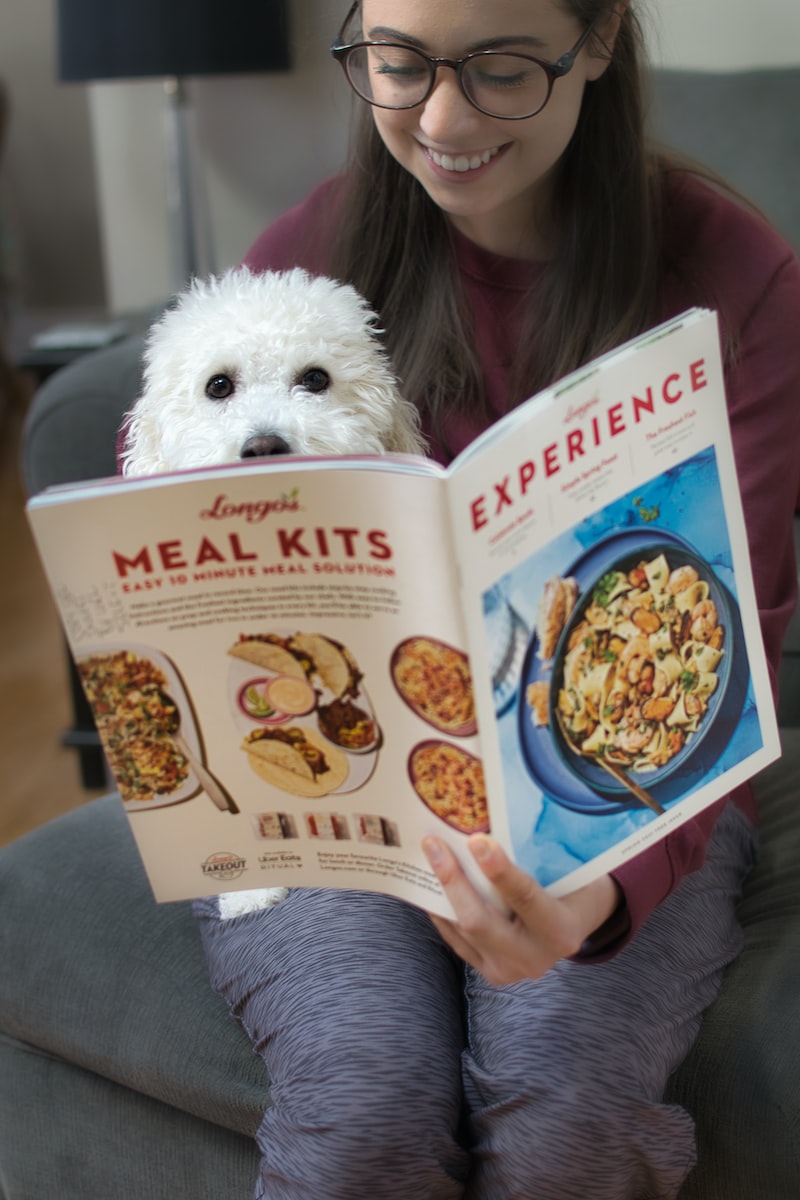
{"x": 296, "y": 759}
{"x": 331, "y": 662}
{"x": 269, "y": 652}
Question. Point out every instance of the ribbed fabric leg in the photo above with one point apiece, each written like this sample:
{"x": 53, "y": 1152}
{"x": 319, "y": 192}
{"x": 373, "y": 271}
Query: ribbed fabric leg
{"x": 564, "y": 1075}
{"x": 355, "y": 1006}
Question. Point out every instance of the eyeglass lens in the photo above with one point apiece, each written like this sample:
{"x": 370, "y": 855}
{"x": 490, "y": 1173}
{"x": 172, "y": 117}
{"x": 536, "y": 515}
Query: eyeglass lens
{"x": 503, "y": 85}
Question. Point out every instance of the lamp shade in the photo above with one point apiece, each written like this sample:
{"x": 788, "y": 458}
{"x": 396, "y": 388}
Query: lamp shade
{"x": 128, "y": 39}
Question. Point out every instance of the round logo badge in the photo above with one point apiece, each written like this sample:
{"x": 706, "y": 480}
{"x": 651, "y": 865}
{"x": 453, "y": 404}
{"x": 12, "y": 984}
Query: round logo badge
{"x": 224, "y": 864}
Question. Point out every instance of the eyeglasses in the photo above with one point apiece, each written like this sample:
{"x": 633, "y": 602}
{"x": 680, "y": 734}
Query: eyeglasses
{"x": 499, "y": 84}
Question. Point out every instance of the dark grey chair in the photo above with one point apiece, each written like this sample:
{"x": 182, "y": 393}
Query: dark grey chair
{"x": 745, "y": 125}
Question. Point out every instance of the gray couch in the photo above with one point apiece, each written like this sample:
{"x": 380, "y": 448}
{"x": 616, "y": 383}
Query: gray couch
{"x": 121, "y": 1074}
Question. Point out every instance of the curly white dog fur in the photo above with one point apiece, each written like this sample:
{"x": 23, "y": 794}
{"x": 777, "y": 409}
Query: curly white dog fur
{"x": 252, "y": 365}
{"x": 249, "y": 366}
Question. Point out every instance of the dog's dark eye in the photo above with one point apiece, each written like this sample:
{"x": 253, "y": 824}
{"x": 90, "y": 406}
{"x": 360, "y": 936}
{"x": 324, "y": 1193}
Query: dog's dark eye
{"x": 314, "y": 379}
{"x": 220, "y": 387}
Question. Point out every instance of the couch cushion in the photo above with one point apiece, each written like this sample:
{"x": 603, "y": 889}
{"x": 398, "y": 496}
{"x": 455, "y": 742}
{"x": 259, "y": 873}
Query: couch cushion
{"x": 742, "y": 124}
{"x": 96, "y": 973}
{"x": 741, "y": 1081}
{"x": 71, "y": 1132}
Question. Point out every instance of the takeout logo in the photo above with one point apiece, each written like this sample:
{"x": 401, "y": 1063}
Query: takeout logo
{"x": 252, "y": 511}
{"x": 224, "y": 864}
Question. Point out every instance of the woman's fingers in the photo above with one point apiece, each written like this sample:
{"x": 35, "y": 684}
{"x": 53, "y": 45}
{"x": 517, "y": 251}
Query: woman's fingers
{"x": 469, "y": 906}
{"x": 519, "y": 892}
{"x": 536, "y": 930}
{"x": 495, "y": 942}
{"x": 517, "y": 889}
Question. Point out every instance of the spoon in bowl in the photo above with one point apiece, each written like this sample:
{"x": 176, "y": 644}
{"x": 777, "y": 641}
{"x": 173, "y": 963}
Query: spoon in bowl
{"x": 613, "y": 768}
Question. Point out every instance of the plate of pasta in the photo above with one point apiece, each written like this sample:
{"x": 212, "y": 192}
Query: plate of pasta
{"x": 634, "y": 662}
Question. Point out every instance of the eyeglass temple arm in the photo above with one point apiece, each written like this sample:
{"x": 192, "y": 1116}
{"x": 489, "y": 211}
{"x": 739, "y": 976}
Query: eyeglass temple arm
{"x": 339, "y": 42}
{"x": 563, "y": 64}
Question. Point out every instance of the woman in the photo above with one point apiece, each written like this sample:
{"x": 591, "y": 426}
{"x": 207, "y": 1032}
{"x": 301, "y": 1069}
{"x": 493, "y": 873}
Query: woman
{"x": 504, "y": 215}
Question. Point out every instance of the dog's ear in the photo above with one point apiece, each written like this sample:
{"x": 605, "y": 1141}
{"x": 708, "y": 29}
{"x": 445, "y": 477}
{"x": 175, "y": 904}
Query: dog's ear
{"x": 139, "y": 443}
{"x": 405, "y": 436}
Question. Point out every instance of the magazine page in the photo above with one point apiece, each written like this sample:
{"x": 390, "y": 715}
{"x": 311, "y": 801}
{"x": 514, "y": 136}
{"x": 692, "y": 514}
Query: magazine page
{"x": 275, "y": 656}
{"x": 620, "y": 679}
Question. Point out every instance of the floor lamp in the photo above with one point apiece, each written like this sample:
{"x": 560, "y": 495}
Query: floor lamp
{"x": 173, "y": 39}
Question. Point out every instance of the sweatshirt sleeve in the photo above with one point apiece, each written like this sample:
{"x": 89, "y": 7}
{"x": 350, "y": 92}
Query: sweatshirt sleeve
{"x": 763, "y": 386}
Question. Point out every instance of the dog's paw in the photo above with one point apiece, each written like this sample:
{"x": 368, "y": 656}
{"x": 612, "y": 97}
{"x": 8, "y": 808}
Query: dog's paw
{"x": 236, "y": 904}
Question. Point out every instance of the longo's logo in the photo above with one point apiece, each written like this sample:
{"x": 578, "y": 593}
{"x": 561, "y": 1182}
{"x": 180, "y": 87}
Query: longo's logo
{"x": 224, "y": 864}
{"x": 252, "y": 511}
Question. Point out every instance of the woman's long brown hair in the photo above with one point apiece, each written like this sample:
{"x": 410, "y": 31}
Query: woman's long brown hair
{"x": 395, "y": 247}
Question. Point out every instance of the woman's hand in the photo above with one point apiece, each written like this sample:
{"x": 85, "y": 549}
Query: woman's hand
{"x": 536, "y": 933}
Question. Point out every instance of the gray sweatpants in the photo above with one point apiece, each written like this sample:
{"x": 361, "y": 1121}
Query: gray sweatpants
{"x": 397, "y": 1074}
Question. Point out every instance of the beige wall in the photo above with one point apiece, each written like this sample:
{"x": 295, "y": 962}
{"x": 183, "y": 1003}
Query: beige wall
{"x": 83, "y": 183}
{"x": 725, "y": 34}
{"x": 48, "y": 198}
{"x": 262, "y": 141}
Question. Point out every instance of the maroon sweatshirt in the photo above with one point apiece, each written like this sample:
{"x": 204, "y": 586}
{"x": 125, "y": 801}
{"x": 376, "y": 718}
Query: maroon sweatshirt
{"x": 718, "y": 254}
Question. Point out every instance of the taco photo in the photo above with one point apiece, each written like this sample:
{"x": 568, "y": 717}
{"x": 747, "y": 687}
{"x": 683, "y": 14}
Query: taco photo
{"x": 270, "y": 652}
{"x": 296, "y": 759}
{"x": 330, "y": 661}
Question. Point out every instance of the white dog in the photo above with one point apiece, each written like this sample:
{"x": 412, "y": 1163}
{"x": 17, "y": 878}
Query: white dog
{"x": 252, "y": 365}
{"x": 246, "y": 366}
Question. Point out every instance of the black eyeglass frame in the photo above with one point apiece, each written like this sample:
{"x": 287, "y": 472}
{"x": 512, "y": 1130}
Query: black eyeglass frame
{"x": 342, "y": 51}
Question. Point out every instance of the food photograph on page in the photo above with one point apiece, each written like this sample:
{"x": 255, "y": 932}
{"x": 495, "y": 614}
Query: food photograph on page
{"x": 632, "y": 678}
{"x": 298, "y": 707}
{"x": 139, "y": 702}
{"x": 434, "y": 679}
{"x": 307, "y": 723}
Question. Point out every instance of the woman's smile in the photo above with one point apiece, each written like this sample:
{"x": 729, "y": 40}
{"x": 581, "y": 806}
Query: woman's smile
{"x": 462, "y": 163}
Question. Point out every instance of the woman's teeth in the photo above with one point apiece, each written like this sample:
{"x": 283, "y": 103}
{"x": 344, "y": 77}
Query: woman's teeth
{"x": 463, "y": 162}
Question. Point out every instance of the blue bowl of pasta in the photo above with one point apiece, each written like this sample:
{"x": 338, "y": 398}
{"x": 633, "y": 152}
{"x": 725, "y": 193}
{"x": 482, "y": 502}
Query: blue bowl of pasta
{"x": 641, "y": 666}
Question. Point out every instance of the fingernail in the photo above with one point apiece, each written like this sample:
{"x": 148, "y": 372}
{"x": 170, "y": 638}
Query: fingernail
{"x": 481, "y": 847}
{"x": 433, "y": 851}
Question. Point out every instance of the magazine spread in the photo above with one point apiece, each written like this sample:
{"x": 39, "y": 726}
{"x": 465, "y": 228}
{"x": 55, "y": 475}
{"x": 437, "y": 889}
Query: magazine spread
{"x": 301, "y": 667}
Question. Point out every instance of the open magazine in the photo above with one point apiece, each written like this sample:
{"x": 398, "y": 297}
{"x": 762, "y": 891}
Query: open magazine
{"x": 301, "y": 667}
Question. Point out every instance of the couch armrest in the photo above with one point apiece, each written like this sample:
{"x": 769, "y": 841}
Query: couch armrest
{"x": 744, "y": 126}
{"x": 71, "y": 427}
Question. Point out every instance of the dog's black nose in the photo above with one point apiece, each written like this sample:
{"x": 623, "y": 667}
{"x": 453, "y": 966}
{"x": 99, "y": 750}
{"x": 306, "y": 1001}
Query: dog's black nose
{"x": 262, "y": 445}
